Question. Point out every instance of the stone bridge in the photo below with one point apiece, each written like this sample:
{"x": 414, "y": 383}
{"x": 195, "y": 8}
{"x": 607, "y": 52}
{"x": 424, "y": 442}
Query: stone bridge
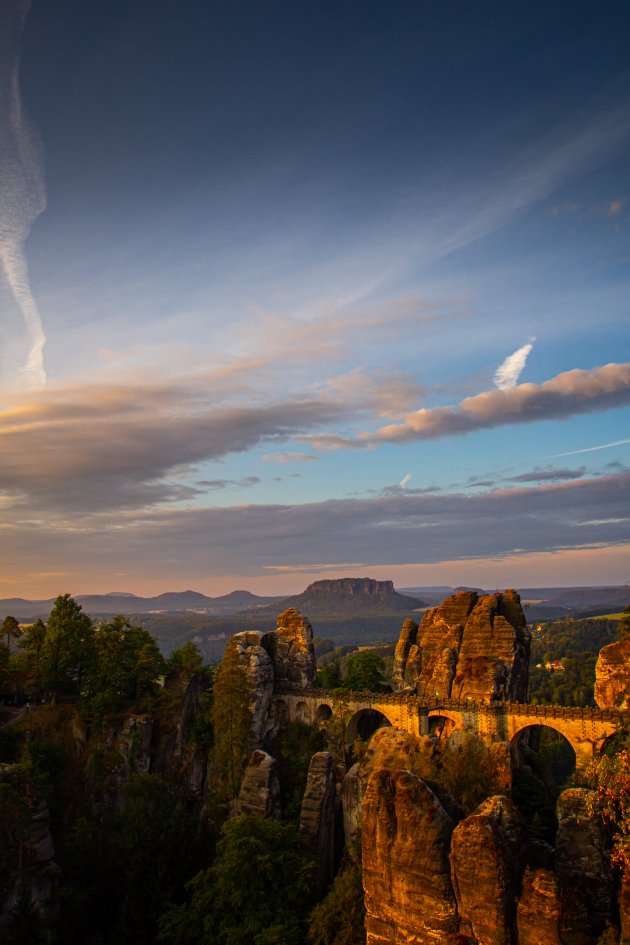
{"x": 585, "y": 729}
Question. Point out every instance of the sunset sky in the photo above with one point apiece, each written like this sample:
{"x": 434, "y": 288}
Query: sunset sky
{"x": 309, "y": 289}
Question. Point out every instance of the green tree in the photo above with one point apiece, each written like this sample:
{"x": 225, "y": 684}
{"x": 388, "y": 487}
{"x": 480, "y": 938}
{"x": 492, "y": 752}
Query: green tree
{"x": 10, "y": 629}
{"x": 126, "y": 664}
{"x": 467, "y": 772}
{"x": 231, "y": 722}
{"x": 339, "y": 919}
{"x": 257, "y": 892}
{"x": 623, "y": 626}
{"x": 187, "y": 658}
{"x": 67, "y": 647}
{"x": 329, "y": 675}
{"x": 32, "y": 641}
{"x": 364, "y": 672}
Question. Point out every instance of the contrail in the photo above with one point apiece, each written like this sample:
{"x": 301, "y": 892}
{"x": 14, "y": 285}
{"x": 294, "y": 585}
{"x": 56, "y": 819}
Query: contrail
{"x": 22, "y": 188}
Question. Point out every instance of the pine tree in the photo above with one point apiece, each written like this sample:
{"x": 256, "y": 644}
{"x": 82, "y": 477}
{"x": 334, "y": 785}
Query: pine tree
{"x": 232, "y": 721}
{"x": 67, "y": 647}
{"x": 10, "y": 628}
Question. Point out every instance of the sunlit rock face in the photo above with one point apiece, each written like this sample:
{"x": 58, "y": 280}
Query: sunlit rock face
{"x": 389, "y": 748}
{"x": 488, "y": 852}
{"x": 406, "y": 871}
{"x": 469, "y": 647}
{"x": 549, "y": 914}
{"x": 612, "y": 676}
{"x": 582, "y": 860}
{"x": 317, "y": 817}
{"x": 260, "y": 789}
{"x": 290, "y": 648}
{"x": 408, "y": 639}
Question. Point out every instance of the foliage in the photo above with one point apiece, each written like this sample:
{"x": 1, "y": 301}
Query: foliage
{"x": 257, "y": 892}
{"x": 67, "y": 647}
{"x": 187, "y": 658}
{"x": 364, "y": 672}
{"x": 339, "y": 919}
{"x": 623, "y": 625}
{"x": 571, "y": 637}
{"x": 610, "y": 777}
{"x": 32, "y": 641}
{"x": 231, "y": 722}
{"x": 294, "y": 747}
{"x": 467, "y": 771}
{"x": 572, "y": 685}
{"x": 10, "y": 630}
{"x": 329, "y": 675}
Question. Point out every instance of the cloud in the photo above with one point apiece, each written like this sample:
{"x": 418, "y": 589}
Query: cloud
{"x": 22, "y": 191}
{"x": 508, "y": 373}
{"x": 211, "y": 485}
{"x": 549, "y": 475}
{"x": 289, "y": 457}
{"x": 405, "y": 480}
{"x": 120, "y": 446}
{"x": 393, "y": 529}
{"x": 573, "y": 392}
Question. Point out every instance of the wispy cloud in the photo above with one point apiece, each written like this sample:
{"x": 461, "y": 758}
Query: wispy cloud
{"x": 568, "y": 394}
{"x": 405, "y": 480}
{"x": 549, "y": 475}
{"x": 22, "y": 191}
{"x": 289, "y": 457}
{"x": 508, "y": 373}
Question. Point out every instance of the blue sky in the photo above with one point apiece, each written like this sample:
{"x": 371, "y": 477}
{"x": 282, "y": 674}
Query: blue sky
{"x": 279, "y": 254}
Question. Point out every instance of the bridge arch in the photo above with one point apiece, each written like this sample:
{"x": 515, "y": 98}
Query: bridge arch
{"x": 442, "y": 725}
{"x": 323, "y": 713}
{"x": 557, "y": 751}
{"x": 364, "y": 723}
{"x": 302, "y": 712}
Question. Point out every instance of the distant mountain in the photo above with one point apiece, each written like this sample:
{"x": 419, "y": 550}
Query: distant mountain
{"x": 348, "y": 597}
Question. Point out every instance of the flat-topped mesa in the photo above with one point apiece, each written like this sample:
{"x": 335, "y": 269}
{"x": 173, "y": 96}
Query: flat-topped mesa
{"x": 612, "y": 676}
{"x": 469, "y": 647}
{"x": 290, "y": 648}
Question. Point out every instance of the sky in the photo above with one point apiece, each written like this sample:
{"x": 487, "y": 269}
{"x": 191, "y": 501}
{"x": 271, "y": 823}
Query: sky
{"x": 317, "y": 289}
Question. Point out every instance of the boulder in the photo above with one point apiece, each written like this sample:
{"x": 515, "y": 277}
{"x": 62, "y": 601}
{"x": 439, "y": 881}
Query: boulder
{"x": 612, "y": 676}
{"x": 290, "y": 648}
{"x": 317, "y": 817}
{"x": 259, "y": 795}
{"x": 406, "y": 870}
{"x": 582, "y": 860}
{"x": 548, "y": 915}
{"x": 488, "y": 852}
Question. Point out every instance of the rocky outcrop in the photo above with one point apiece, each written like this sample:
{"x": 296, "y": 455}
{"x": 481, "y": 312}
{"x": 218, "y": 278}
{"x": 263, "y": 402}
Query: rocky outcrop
{"x": 290, "y": 648}
{"x": 548, "y": 914}
{"x": 256, "y": 662}
{"x": 259, "y": 795}
{"x": 408, "y": 638}
{"x": 317, "y": 817}
{"x": 392, "y": 749}
{"x": 406, "y": 870}
{"x": 469, "y": 647}
{"x": 612, "y": 676}
{"x": 135, "y": 742}
{"x": 582, "y": 862}
{"x": 488, "y": 851}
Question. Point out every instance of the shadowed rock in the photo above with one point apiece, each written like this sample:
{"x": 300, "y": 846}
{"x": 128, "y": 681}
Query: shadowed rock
{"x": 260, "y": 788}
{"x": 550, "y": 915}
{"x": 317, "y": 817}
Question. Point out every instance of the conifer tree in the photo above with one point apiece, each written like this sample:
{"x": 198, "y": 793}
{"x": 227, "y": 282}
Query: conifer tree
{"x": 10, "y": 629}
{"x": 67, "y": 647}
{"x": 232, "y": 721}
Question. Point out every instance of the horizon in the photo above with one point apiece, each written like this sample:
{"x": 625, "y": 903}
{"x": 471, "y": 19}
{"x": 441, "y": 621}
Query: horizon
{"x": 292, "y": 292}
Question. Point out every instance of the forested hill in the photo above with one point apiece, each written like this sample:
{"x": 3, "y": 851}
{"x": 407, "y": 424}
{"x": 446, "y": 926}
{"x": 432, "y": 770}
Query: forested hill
{"x": 349, "y": 597}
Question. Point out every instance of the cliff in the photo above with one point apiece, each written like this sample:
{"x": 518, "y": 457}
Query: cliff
{"x": 348, "y": 596}
{"x": 612, "y": 676}
{"x": 469, "y": 647}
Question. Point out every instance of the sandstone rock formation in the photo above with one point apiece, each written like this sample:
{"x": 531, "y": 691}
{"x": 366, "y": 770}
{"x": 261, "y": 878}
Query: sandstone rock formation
{"x": 582, "y": 862}
{"x": 392, "y": 749}
{"x": 549, "y": 914}
{"x": 291, "y": 651}
{"x": 317, "y": 817}
{"x": 469, "y": 647}
{"x": 260, "y": 789}
{"x": 408, "y": 639}
{"x": 612, "y": 676}
{"x": 258, "y": 667}
{"x": 488, "y": 851}
{"x": 406, "y": 870}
